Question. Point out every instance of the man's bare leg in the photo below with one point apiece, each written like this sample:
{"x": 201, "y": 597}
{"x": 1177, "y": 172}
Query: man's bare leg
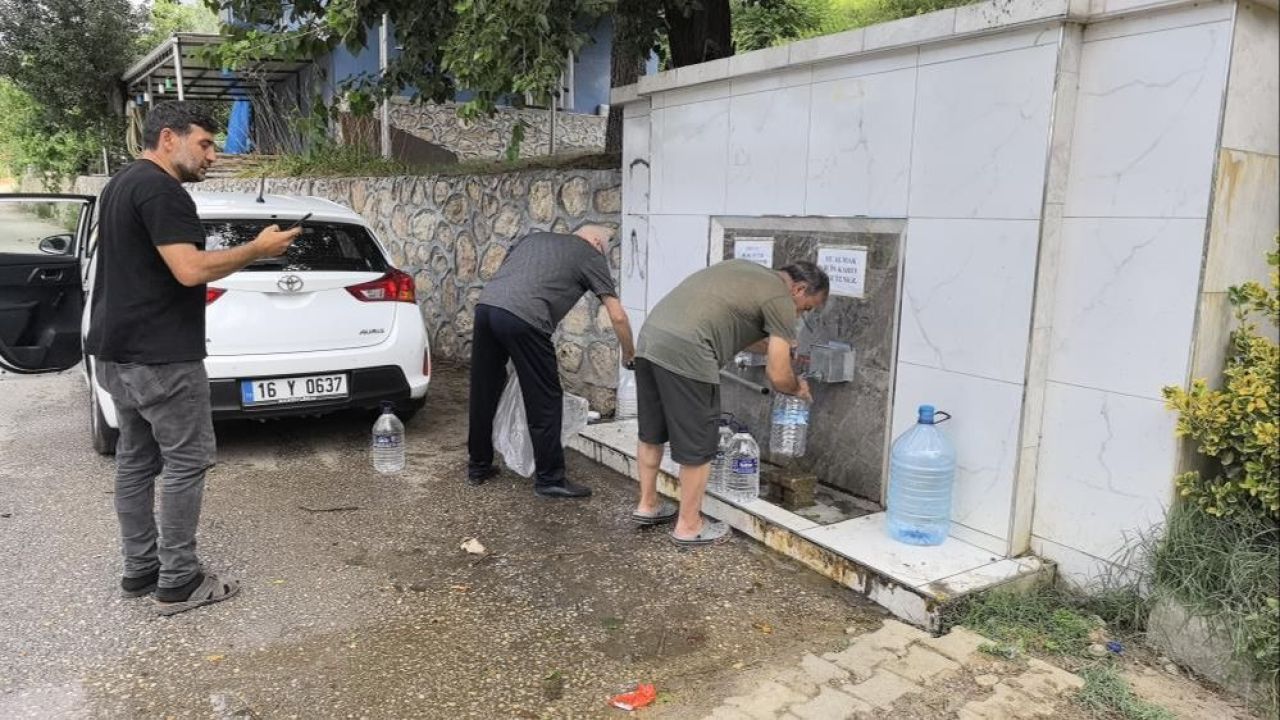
{"x": 648, "y": 457}
{"x": 693, "y": 483}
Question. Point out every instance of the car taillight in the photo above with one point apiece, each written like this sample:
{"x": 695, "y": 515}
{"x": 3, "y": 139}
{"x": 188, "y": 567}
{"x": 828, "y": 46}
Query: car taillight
{"x": 213, "y": 293}
{"x": 395, "y": 286}
{"x": 426, "y": 363}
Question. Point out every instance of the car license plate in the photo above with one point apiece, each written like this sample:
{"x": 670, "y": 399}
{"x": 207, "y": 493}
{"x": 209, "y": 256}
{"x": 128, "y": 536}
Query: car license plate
{"x": 274, "y": 391}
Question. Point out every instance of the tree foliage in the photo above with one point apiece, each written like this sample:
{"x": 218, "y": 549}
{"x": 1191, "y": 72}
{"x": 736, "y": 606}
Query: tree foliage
{"x": 28, "y": 143}
{"x": 173, "y": 16}
{"x": 1236, "y": 428}
{"x": 68, "y": 55}
{"x": 758, "y": 25}
{"x": 492, "y": 48}
{"x": 62, "y": 60}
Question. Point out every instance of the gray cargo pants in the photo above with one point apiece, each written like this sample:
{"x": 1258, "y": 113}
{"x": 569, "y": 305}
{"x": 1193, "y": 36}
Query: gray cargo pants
{"x": 165, "y": 425}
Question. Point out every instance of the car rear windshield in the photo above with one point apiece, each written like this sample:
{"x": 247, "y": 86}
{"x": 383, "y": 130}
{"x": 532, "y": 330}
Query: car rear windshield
{"x": 322, "y": 246}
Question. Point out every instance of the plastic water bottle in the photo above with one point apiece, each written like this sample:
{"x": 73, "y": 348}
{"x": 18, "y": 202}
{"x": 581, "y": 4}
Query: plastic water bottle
{"x": 388, "y": 441}
{"x": 742, "y": 477}
{"x": 787, "y": 437}
{"x": 627, "y": 398}
{"x": 719, "y": 466}
{"x": 922, "y": 469}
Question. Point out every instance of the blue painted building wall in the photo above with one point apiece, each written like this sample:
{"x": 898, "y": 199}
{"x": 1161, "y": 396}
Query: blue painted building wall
{"x": 591, "y": 70}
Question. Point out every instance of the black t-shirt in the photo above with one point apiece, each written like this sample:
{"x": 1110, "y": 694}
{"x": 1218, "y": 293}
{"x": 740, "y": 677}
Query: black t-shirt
{"x": 140, "y": 312}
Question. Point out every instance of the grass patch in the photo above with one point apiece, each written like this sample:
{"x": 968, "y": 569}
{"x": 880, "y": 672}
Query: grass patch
{"x": 1226, "y": 570}
{"x": 352, "y": 161}
{"x": 1041, "y": 620}
{"x": 1107, "y": 695}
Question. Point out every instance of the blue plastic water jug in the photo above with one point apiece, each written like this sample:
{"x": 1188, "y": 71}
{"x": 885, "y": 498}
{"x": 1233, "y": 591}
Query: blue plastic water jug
{"x": 922, "y": 469}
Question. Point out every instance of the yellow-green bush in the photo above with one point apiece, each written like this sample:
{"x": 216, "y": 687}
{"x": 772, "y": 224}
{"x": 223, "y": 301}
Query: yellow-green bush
{"x": 1237, "y": 427}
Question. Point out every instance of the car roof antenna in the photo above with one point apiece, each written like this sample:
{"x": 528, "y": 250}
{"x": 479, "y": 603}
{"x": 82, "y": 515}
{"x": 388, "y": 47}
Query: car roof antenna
{"x": 262, "y": 188}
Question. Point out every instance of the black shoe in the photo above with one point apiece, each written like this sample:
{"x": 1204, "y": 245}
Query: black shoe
{"x": 479, "y": 477}
{"x": 564, "y": 489}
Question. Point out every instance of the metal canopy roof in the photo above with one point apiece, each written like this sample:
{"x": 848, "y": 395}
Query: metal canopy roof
{"x": 180, "y": 61}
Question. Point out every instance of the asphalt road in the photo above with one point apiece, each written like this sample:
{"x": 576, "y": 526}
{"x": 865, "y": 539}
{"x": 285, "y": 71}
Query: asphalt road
{"x": 21, "y": 232}
{"x": 357, "y": 601}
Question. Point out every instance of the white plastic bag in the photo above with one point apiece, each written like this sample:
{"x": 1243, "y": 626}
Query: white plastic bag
{"x": 511, "y": 430}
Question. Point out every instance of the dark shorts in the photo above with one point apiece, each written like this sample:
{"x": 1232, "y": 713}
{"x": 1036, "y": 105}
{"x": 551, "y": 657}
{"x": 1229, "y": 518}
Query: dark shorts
{"x": 676, "y": 409}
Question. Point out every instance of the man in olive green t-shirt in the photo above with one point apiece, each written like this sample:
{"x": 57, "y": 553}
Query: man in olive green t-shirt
{"x": 689, "y": 336}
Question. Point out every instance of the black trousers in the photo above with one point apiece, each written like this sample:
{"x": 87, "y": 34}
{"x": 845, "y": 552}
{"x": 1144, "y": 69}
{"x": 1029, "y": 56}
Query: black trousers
{"x": 499, "y": 336}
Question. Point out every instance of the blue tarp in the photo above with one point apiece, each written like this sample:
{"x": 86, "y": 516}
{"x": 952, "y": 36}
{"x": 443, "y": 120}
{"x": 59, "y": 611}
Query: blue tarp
{"x": 238, "y": 140}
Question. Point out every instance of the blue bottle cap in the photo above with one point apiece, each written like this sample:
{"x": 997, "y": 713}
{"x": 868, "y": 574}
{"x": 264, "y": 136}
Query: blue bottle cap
{"x": 926, "y": 414}
{"x": 388, "y": 406}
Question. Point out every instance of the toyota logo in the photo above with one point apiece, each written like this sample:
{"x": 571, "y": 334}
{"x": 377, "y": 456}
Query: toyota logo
{"x": 289, "y": 283}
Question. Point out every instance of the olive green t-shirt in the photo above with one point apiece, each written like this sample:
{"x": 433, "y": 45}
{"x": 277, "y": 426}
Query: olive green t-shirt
{"x": 714, "y": 314}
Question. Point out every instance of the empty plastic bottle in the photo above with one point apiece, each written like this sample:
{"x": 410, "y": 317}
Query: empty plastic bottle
{"x": 922, "y": 469}
{"x": 719, "y": 466}
{"x": 627, "y": 398}
{"x": 790, "y": 431}
{"x": 388, "y": 441}
{"x": 742, "y": 476}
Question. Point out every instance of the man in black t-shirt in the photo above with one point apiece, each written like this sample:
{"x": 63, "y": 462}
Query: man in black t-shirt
{"x": 147, "y": 334}
{"x": 542, "y": 278}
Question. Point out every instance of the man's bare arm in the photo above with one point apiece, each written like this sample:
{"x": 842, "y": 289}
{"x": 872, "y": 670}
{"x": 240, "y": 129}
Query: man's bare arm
{"x": 778, "y": 369}
{"x": 192, "y": 266}
{"x": 621, "y": 327}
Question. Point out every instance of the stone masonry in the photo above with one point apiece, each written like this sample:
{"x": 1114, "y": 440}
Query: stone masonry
{"x": 487, "y": 138}
{"x": 452, "y": 232}
{"x": 899, "y": 668}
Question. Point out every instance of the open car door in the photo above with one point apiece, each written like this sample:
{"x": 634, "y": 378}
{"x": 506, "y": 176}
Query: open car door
{"x": 42, "y": 245}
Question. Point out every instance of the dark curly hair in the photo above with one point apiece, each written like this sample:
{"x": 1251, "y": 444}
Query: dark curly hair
{"x": 177, "y": 116}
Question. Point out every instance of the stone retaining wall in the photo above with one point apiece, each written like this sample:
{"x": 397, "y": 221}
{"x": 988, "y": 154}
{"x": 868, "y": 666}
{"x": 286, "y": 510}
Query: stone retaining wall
{"x": 488, "y": 138}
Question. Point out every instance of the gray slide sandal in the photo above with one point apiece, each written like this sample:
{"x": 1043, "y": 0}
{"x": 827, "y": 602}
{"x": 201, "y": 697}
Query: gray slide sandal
{"x": 666, "y": 512}
{"x": 712, "y": 532}
{"x": 213, "y": 589}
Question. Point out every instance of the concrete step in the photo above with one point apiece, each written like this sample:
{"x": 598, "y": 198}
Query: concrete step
{"x": 914, "y": 583}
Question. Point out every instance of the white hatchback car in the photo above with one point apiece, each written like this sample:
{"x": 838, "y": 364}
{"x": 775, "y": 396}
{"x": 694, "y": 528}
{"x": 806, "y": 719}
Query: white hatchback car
{"x": 330, "y": 325}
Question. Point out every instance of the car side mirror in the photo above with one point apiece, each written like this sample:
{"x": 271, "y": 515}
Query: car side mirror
{"x": 55, "y": 245}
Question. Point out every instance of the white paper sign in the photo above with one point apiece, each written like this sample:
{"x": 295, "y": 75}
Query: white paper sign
{"x": 847, "y": 268}
{"x": 758, "y": 250}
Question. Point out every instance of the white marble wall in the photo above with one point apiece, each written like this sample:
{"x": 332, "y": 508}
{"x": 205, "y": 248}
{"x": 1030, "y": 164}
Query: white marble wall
{"x": 955, "y": 136}
{"x": 1123, "y": 313}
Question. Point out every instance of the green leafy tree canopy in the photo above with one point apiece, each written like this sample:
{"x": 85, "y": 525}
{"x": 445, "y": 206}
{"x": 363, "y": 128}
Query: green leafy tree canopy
{"x": 68, "y": 55}
{"x": 493, "y": 48}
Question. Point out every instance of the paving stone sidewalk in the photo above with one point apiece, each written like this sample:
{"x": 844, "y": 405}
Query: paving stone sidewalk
{"x": 901, "y": 672}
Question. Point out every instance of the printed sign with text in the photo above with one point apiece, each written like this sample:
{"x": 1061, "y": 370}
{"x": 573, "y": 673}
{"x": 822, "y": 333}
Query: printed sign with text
{"x": 847, "y": 267}
{"x": 756, "y": 249}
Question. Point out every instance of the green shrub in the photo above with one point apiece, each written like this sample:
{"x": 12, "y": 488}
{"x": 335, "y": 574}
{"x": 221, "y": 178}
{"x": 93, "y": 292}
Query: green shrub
{"x": 1236, "y": 428}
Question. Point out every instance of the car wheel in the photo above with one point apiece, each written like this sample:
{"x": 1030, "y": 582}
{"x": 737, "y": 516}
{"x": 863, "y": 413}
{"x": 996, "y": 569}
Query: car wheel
{"x": 104, "y": 436}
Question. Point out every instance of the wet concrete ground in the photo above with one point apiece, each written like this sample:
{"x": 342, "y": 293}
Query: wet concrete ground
{"x": 357, "y": 601}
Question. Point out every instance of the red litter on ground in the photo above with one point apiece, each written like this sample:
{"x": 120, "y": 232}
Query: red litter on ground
{"x": 636, "y": 699}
